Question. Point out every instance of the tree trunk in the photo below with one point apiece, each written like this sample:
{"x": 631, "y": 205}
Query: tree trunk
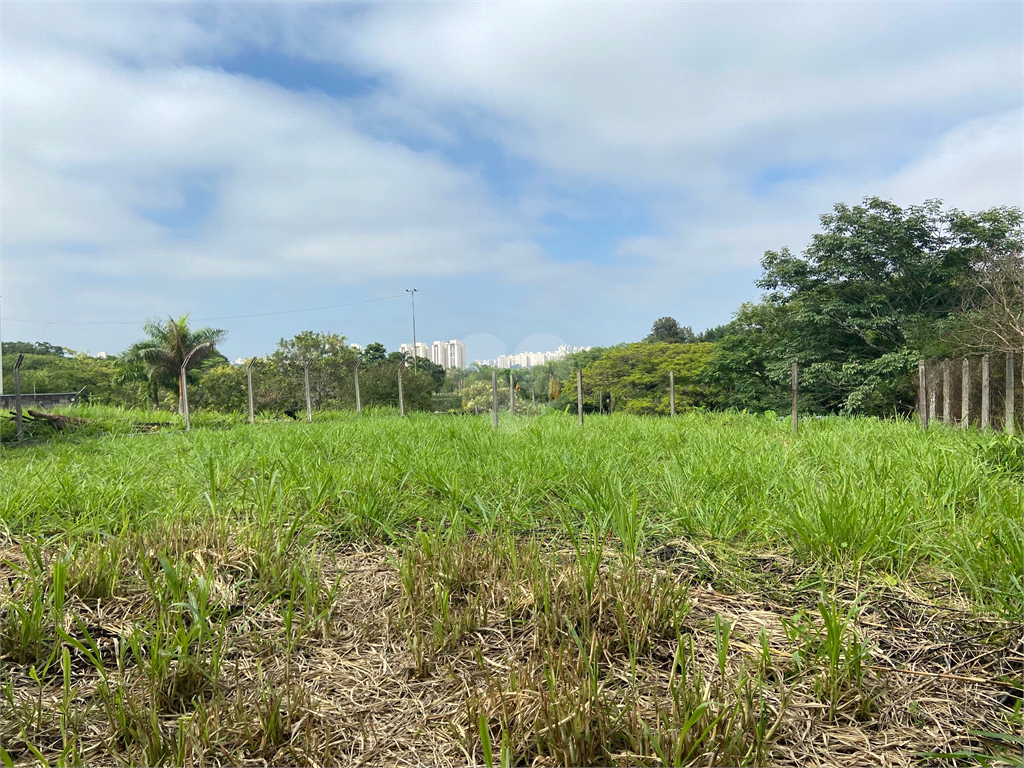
{"x": 156, "y": 398}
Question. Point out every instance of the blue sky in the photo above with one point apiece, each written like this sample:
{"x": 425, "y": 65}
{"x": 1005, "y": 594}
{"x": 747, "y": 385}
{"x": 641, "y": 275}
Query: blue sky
{"x": 541, "y": 172}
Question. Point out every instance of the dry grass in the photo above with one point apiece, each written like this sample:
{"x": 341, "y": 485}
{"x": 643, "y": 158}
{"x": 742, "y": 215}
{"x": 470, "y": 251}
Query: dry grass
{"x": 198, "y": 648}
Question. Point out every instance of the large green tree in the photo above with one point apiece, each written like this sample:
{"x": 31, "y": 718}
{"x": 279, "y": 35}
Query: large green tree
{"x": 871, "y": 294}
{"x": 666, "y": 329}
{"x": 167, "y": 347}
{"x": 638, "y": 376}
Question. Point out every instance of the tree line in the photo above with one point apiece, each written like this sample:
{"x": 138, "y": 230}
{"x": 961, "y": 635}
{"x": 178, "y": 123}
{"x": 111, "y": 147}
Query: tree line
{"x": 877, "y": 289}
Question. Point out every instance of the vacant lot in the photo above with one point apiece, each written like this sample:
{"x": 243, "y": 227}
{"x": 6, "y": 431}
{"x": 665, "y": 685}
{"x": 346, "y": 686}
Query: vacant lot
{"x": 708, "y": 589}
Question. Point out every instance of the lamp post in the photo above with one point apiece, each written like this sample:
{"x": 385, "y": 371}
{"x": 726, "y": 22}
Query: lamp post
{"x": 412, "y": 295}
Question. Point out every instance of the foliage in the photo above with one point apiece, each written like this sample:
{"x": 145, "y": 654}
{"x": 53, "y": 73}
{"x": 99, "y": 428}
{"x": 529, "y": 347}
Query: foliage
{"x": 374, "y": 353}
{"x": 96, "y": 378}
{"x": 169, "y": 347}
{"x": 666, "y": 329}
{"x": 638, "y": 376}
{"x": 867, "y": 299}
{"x": 32, "y": 348}
{"x": 435, "y": 371}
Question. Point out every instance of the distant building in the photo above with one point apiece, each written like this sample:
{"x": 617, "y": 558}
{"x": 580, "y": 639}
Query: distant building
{"x": 447, "y": 354}
{"x": 530, "y": 359}
{"x": 422, "y": 350}
{"x": 357, "y": 347}
{"x": 101, "y": 355}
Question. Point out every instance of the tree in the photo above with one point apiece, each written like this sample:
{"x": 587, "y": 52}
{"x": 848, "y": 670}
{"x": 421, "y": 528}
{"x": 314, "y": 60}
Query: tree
{"x": 992, "y": 319}
{"x": 374, "y": 353}
{"x": 33, "y": 348}
{"x": 872, "y": 294}
{"x": 435, "y": 371}
{"x": 170, "y": 345}
{"x": 331, "y": 370}
{"x": 638, "y": 376}
{"x": 666, "y": 329}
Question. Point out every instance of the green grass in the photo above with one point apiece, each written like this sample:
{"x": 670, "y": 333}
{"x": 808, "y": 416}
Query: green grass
{"x": 592, "y": 553}
{"x": 845, "y": 492}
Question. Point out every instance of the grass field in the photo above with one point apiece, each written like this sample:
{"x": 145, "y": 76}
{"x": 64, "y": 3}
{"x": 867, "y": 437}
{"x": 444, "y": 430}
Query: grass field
{"x": 709, "y": 589}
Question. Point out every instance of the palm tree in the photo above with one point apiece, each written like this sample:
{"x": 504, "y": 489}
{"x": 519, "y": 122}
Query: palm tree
{"x": 158, "y": 359}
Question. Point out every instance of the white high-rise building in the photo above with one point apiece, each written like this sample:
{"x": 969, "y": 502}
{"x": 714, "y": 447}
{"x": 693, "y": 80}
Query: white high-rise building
{"x": 422, "y": 350}
{"x": 447, "y": 354}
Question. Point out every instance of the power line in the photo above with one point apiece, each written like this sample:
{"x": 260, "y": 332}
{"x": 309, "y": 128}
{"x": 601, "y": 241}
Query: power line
{"x": 202, "y": 319}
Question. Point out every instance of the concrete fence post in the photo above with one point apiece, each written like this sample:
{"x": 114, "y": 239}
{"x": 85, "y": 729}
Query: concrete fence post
{"x": 1008, "y": 425}
{"x": 922, "y": 394}
{"x": 401, "y": 396}
{"x": 579, "y": 395}
{"x": 359, "y": 403}
{"x": 986, "y": 392}
{"x": 248, "y": 384}
{"x": 309, "y": 400}
{"x": 965, "y": 393}
{"x": 494, "y": 397}
{"x": 17, "y": 398}
{"x": 795, "y": 392}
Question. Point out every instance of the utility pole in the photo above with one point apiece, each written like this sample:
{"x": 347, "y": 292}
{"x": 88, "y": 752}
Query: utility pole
{"x": 412, "y": 294}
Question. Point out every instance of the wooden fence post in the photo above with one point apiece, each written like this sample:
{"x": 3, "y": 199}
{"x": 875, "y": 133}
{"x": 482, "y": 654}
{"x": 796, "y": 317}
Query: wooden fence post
{"x": 533, "y": 393}
{"x": 511, "y": 395}
{"x": 986, "y": 393}
{"x": 794, "y": 386}
{"x": 17, "y": 398}
{"x": 248, "y": 384}
{"x": 965, "y": 394}
{"x": 359, "y": 402}
{"x": 947, "y": 391}
{"x": 1008, "y": 425}
{"x": 600, "y": 401}
{"x": 671, "y": 393}
{"x": 309, "y": 400}
{"x": 611, "y": 402}
{"x": 579, "y": 395}
{"x": 922, "y": 394}
{"x": 401, "y": 397}
{"x": 494, "y": 397}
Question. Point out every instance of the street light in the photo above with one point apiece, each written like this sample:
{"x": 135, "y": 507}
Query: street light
{"x": 412, "y": 295}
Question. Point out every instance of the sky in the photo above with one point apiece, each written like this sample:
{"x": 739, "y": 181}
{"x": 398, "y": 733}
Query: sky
{"x": 541, "y": 172}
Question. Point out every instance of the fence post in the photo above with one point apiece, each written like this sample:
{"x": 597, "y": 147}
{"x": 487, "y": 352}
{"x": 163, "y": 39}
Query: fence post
{"x": 359, "y": 403}
{"x": 579, "y": 395}
{"x": 17, "y": 398}
{"x": 611, "y": 402}
{"x": 922, "y": 394}
{"x": 933, "y": 397}
{"x": 533, "y": 393}
{"x": 401, "y": 397}
{"x": 986, "y": 393}
{"x": 248, "y": 384}
{"x": 600, "y": 401}
{"x": 794, "y": 373}
{"x": 671, "y": 393}
{"x": 184, "y": 395}
{"x": 511, "y": 395}
{"x": 309, "y": 400}
{"x": 494, "y": 397}
{"x": 965, "y": 394}
{"x": 1008, "y": 425}
{"x": 947, "y": 391}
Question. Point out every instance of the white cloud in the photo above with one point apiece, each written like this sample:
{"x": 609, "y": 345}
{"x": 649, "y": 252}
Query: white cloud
{"x": 110, "y": 111}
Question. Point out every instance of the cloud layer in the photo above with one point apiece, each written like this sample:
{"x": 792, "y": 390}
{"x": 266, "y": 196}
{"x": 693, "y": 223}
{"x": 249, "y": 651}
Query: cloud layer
{"x": 533, "y": 168}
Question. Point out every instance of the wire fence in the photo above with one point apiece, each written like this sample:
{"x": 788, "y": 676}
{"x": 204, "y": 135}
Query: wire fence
{"x": 982, "y": 392}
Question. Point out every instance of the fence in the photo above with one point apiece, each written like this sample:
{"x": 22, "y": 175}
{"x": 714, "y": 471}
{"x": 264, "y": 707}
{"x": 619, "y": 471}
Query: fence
{"x": 983, "y": 391}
